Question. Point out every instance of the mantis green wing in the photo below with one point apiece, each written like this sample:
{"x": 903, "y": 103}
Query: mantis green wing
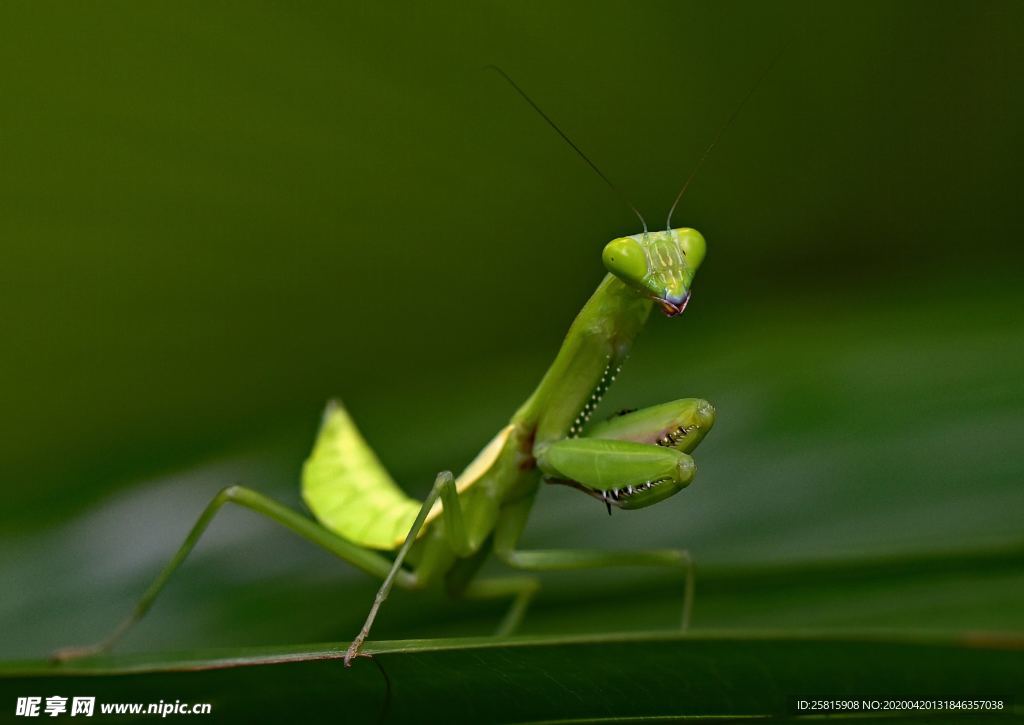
{"x": 348, "y": 489}
{"x": 351, "y": 494}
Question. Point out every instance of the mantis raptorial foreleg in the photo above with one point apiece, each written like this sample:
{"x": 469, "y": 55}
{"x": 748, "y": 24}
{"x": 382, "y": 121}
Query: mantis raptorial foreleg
{"x": 369, "y": 561}
{"x": 617, "y": 471}
{"x": 629, "y": 461}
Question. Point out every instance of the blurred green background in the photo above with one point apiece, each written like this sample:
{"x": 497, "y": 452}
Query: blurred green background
{"x": 216, "y": 216}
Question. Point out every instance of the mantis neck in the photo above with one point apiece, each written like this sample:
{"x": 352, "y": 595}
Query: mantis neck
{"x": 597, "y": 344}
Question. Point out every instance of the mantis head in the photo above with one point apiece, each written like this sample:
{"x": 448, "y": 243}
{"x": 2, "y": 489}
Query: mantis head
{"x": 658, "y": 265}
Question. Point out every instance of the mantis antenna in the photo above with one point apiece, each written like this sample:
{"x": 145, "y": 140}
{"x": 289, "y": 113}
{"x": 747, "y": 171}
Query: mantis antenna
{"x": 721, "y": 131}
{"x": 569, "y": 141}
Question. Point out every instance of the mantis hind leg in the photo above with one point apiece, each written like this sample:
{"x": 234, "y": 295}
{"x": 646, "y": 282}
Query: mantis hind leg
{"x": 369, "y": 561}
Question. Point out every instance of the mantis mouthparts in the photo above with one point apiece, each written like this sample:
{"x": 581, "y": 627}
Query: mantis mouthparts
{"x": 673, "y": 309}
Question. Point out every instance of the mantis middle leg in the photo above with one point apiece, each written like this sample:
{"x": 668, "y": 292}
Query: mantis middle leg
{"x": 458, "y": 539}
{"x": 521, "y": 589}
{"x": 511, "y": 525}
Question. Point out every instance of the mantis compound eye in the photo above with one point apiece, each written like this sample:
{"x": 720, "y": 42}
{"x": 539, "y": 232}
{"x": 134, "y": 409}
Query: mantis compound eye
{"x": 626, "y": 259}
{"x": 692, "y": 244}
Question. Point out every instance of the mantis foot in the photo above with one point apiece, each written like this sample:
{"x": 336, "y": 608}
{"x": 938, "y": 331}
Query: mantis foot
{"x": 67, "y": 654}
{"x": 353, "y": 651}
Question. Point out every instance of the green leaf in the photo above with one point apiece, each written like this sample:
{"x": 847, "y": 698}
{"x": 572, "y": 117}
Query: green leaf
{"x": 543, "y": 678}
{"x": 751, "y": 672}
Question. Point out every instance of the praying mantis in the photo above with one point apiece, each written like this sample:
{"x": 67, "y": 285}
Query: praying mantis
{"x": 631, "y": 461}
